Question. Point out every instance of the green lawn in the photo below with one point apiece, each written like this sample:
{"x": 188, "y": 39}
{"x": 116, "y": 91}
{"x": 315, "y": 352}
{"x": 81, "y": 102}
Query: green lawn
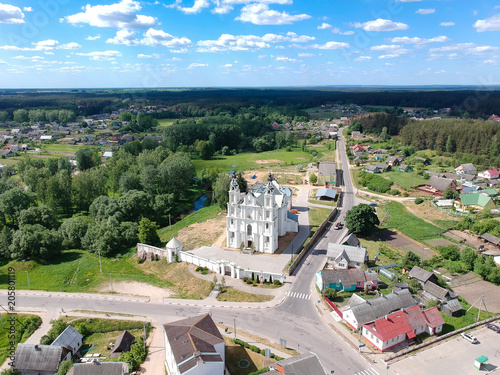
{"x": 77, "y": 271}
{"x": 373, "y": 249}
{"x": 405, "y": 179}
{"x": 246, "y": 161}
{"x": 164, "y": 122}
{"x": 199, "y": 216}
{"x": 25, "y": 326}
{"x": 62, "y": 147}
{"x": 407, "y": 223}
{"x": 317, "y": 216}
{"x": 453, "y": 323}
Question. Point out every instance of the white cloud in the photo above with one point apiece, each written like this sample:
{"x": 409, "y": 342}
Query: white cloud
{"x": 155, "y": 38}
{"x": 489, "y": 24}
{"x": 324, "y": 26}
{"x": 363, "y": 58}
{"x": 152, "y": 38}
{"x": 90, "y": 37}
{"x": 196, "y": 8}
{"x": 381, "y": 24}
{"x": 196, "y": 65}
{"x": 27, "y": 9}
{"x": 20, "y": 57}
{"x": 336, "y": 30}
{"x": 425, "y": 11}
{"x": 152, "y": 56}
{"x": 466, "y": 48}
{"x": 331, "y": 45}
{"x": 306, "y": 54}
{"x": 228, "y": 42}
{"x": 11, "y": 14}
{"x": 260, "y": 14}
{"x": 227, "y": 66}
{"x": 101, "y": 55}
{"x": 287, "y": 59}
{"x": 222, "y": 9}
{"x": 122, "y": 15}
{"x": 391, "y": 51}
{"x": 71, "y": 45}
{"x": 417, "y": 40}
{"x": 446, "y": 24}
{"x": 48, "y": 53}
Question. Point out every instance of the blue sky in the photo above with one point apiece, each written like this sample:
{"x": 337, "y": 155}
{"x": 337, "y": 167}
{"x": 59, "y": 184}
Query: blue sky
{"x": 251, "y": 43}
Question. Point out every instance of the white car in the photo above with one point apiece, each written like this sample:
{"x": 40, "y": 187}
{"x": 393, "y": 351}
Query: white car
{"x": 469, "y": 337}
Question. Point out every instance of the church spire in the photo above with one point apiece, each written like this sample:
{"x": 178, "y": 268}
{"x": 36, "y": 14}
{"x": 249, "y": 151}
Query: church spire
{"x": 234, "y": 183}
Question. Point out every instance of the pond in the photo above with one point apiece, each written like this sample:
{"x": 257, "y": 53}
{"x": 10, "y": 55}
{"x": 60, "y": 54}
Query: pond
{"x": 198, "y": 205}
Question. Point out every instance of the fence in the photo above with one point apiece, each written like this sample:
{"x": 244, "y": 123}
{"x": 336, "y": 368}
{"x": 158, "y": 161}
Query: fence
{"x": 314, "y": 238}
{"x": 456, "y": 213}
{"x": 339, "y": 313}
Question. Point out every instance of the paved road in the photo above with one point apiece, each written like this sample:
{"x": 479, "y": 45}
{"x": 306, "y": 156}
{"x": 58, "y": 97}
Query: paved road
{"x": 296, "y": 319}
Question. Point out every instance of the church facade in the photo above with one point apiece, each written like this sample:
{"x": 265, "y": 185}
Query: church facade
{"x": 257, "y": 219}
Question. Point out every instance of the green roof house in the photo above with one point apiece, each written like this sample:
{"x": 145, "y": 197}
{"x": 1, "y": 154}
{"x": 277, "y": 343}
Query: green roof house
{"x": 474, "y": 201}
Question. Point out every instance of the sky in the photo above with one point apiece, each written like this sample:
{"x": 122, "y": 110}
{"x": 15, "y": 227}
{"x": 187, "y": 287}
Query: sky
{"x": 248, "y": 43}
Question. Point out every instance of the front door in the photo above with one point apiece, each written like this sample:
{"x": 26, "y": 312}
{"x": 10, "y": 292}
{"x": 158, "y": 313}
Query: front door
{"x": 249, "y": 244}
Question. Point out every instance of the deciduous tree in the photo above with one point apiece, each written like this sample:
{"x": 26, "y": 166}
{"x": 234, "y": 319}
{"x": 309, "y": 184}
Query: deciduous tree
{"x": 361, "y": 219}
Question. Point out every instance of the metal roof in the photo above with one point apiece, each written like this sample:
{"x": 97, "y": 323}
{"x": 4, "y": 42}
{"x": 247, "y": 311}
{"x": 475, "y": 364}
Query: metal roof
{"x": 122, "y": 344}
{"x": 325, "y": 192}
{"x": 38, "y": 357}
{"x": 307, "y": 363}
{"x": 69, "y": 339}
{"x": 99, "y": 368}
{"x": 354, "y": 253}
{"x": 490, "y": 238}
{"x": 420, "y": 274}
{"x": 327, "y": 168}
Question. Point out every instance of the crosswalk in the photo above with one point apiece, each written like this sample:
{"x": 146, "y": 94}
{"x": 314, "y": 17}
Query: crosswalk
{"x": 205, "y": 310}
{"x": 299, "y": 295}
{"x": 368, "y": 371}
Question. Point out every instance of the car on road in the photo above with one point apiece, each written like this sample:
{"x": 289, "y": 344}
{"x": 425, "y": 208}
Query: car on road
{"x": 338, "y": 225}
{"x": 469, "y": 337}
{"x": 493, "y": 327}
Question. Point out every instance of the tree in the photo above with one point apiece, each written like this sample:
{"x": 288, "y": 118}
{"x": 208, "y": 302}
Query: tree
{"x": 135, "y": 356}
{"x": 177, "y": 173}
{"x": 449, "y": 144}
{"x": 5, "y": 241}
{"x": 494, "y": 146}
{"x": 468, "y": 256}
{"x": 135, "y": 205}
{"x": 104, "y": 207}
{"x": 87, "y": 186}
{"x": 35, "y": 241}
{"x": 21, "y": 115}
{"x": 42, "y": 215}
{"x": 410, "y": 260}
{"x": 361, "y": 219}
{"x": 221, "y": 189}
{"x": 13, "y": 201}
{"x": 242, "y": 183}
{"x": 72, "y": 231}
{"x": 64, "y": 367}
{"x": 125, "y": 116}
{"x": 58, "y": 192}
{"x": 4, "y": 116}
{"x": 313, "y": 178}
{"x": 448, "y": 193}
{"x": 148, "y": 232}
{"x": 84, "y": 159}
{"x": 450, "y": 252}
{"x": 104, "y": 236}
{"x": 383, "y": 134}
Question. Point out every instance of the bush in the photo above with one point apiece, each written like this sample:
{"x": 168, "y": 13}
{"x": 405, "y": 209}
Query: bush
{"x": 249, "y": 281}
{"x": 277, "y": 282}
{"x": 419, "y": 201}
{"x": 331, "y": 294}
{"x": 394, "y": 192}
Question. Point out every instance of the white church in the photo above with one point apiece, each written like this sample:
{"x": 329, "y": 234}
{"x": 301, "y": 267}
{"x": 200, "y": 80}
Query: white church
{"x": 256, "y": 219}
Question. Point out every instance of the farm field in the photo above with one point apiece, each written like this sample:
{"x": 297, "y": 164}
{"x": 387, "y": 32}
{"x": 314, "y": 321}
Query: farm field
{"x": 263, "y": 160}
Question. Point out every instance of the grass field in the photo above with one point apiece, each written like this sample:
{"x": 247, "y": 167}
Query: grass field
{"x": 373, "y": 249}
{"x": 165, "y": 122}
{"x": 236, "y": 353}
{"x": 21, "y": 331}
{"x": 247, "y": 161}
{"x": 77, "y": 271}
{"x": 407, "y": 223}
{"x": 63, "y": 147}
{"x": 317, "y": 216}
{"x": 199, "y": 216}
{"x": 405, "y": 179}
{"x": 453, "y": 323}
{"x": 235, "y": 295}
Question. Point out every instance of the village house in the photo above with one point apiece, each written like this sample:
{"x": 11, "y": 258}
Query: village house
{"x": 473, "y": 201}
{"x": 422, "y": 275}
{"x": 425, "y": 161}
{"x": 122, "y": 344}
{"x": 194, "y": 346}
{"x": 38, "y": 359}
{"x": 358, "y": 150}
{"x": 467, "y": 168}
{"x": 405, "y": 168}
{"x": 70, "y": 340}
{"x": 366, "y": 311}
{"x": 326, "y": 194}
{"x": 327, "y": 172}
{"x": 437, "y": 185}
{"x": 370, "y": 168}
{"x": 306, "y": 363}
{"x": 393, "y": 160}
{"x": 347, "y": 280}
{"x": 489, "y": 174}
{"x": 257, "y": 219}
{"x": 343, "y": 256}
{"x": 382, "y": 167}
{"x": 402, "y": 327}
{"x": 99, "y": 368}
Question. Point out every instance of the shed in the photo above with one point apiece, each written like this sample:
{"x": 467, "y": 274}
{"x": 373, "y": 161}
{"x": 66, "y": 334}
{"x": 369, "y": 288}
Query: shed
{"x": 307, "y": 363}
{"x": 422, "y": 275}
{"x": 452, "y": 307}
{"x": 69, "y": 339}
{"x": 326, "y": 194}
{"x": 99, "y": 368}
{"x": 122, "y": 344}
{"x": 38, "y": 358}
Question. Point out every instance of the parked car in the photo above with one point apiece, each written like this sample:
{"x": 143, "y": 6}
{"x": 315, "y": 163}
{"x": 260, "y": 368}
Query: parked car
{"x": 338, "y": 225}
{"x": 469, "y": 337}
{"x": 493, "y": 327}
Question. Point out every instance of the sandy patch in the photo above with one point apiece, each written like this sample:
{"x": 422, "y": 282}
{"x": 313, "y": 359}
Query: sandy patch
{"x": 134, "y": 288}
{"x": 203, "y": 234}
{"x": 260, "y": 176}
{"x": 473, "y": 291}
{"x": 267, "y": 161}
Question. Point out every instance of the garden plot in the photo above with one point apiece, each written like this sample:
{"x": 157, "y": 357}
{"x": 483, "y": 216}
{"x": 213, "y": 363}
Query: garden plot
{"x": 404, "y": 243}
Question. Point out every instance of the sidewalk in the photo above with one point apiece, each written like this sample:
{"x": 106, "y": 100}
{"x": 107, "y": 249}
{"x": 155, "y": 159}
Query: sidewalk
{"x": 242, "y": 337}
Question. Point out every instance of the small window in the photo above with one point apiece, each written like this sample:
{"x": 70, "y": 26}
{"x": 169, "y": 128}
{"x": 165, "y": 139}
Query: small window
{"x": 249, "y": 230}
{"x": 231, "y": 221}
{"x": 267, "y": 225}
{"x": 268, "y": 214}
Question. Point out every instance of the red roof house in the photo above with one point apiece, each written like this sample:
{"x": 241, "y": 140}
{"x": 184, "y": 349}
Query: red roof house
{"x": 402, "y": 327}
{"x": 490, "y": 174}
{"x": 358, "y": 150}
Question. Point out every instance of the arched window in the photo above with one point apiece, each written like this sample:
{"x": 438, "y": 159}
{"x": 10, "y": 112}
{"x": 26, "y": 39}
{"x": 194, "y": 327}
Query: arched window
{"x": 249, "y": 230}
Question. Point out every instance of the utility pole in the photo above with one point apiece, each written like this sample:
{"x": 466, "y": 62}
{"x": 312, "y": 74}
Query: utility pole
{"x": 111, "y": 281}
{"x": 169, "y": 222}
{"x": 100, "y": 264}
{"x": 28, "y": 276}
{"x": 291, "y": 255}
{"x": 235, "y": 328}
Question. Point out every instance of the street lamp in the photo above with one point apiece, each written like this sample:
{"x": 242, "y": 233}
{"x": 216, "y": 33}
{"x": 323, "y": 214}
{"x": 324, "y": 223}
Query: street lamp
{"x": 100, "y": 265}
{"x": 28, "y": 276}
{"x": 111, "y": 281}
